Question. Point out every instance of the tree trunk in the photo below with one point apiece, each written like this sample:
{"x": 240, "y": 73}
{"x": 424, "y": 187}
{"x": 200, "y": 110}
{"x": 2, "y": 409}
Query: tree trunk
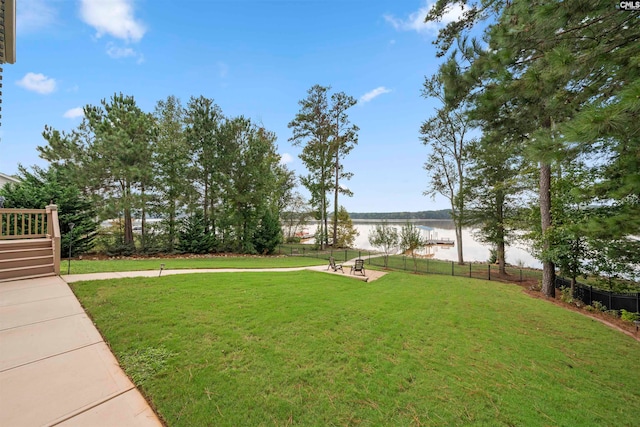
{"x": 459, "y": 242}
{"x": 320, "y": 232}
{"x": 573, "y": 286}
{"x": 144, "y": 222}
{"x": 128, "y": 226}
{"x": 211, "y": 225}
{"x": 500, "y": 250}
{"x": 205, "y": 201}
{"x": 457, "y": 222}
{"x": 325, "y": 234}
{"x": 172, "y": 226}
{"x": 335, "y": 203}
{"x": 500, "y": 245}
{"x": 548, "y": 268}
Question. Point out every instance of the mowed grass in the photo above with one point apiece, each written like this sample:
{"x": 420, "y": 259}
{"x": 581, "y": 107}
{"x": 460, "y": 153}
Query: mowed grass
{"x": 313, "y": 349}
{"x": 109, "y": 265}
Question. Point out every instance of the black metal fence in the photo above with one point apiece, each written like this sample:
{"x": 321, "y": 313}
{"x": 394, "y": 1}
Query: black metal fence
{"x": 611, "y": 300}
{"x": 451, "y": 268}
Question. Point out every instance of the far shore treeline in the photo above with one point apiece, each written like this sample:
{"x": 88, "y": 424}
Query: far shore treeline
{"x": 439, "y": 214}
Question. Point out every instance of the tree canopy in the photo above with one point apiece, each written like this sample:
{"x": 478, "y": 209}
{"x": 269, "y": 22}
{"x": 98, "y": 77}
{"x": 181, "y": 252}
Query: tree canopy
{"x": 556, "y": 83}
{"x": 221, "y": 173}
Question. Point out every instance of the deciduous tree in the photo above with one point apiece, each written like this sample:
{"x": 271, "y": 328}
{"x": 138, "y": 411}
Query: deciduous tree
{"x": 446, "y": 133}
{"x": 385, "y": 237}
{"x": 343, "y": 230}
{"x": 410, "y": 240}
{"x": 322, "y": 126}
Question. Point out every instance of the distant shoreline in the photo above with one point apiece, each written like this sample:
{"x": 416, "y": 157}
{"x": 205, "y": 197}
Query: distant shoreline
{"x": 442, "y": 214}
{"x": 446, "y": 224}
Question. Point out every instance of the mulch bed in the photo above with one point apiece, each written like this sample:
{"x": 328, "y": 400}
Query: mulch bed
{"x": 625, "y": 327}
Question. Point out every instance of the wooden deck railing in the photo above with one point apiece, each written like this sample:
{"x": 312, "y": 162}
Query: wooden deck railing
{"x": 33, "y": 224}
{"x": 23, "y": 223}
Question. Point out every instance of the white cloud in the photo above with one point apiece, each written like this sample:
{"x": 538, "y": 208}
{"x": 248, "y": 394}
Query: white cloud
{"x": 37, "y": 83}
{"x": 373, "y": 94}
{"x": 415, "y": 21}
{"x": 123, "y": 52}
{"x": 33, "y": 16}
{"x": 119, "y": 52}
{"x": 286, "y": 158}
{"x": 74, "y": 113}
{"x": 113, "y": 17}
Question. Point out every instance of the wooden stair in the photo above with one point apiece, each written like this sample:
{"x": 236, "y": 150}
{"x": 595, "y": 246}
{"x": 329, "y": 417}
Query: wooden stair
{"x": 26, "y": 258}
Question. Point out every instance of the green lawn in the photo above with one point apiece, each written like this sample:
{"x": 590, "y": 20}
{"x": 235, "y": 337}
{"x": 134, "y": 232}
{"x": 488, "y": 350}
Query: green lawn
{"x": 313, "y": 349}
{"x": 99, "y": 266}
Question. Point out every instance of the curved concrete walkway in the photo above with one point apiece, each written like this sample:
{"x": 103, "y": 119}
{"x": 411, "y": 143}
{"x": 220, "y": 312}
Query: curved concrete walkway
{"x": 55, "y": 368}
{"x": 370, "y": 275}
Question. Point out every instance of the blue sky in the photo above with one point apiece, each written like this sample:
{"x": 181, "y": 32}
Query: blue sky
{"x": 254, "y": 58}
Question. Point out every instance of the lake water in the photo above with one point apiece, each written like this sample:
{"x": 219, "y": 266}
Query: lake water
{"x": 473, "y": 250}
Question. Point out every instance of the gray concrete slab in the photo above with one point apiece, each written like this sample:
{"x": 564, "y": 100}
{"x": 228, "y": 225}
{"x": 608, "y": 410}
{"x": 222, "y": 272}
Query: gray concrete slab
{"x": 54, "y": 366}
{"x": 27, "y": 313}
{"x": 127, "y": 409}
{"x": 29, "y": 294}
{"x": 30, "y": 343}
{"x": 57, "y": 387}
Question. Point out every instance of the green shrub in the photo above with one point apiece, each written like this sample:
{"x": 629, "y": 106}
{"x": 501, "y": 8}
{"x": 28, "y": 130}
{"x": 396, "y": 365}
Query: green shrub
{"x": 566, "y": 295}
{"x": 268, "y": 234}
{"x": 111, "y": 242}
{"x": 194, "y": 237}
{"x": 629, "y": 316}
{"x": 598, "y": 306}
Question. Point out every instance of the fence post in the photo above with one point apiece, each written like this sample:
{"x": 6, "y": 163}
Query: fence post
{"x": 469, "y": 270}
{"x": 489, "y": 271}
{"x": 590, "y": 295}
{"x": 404, "y": 259}
{"x": 369, "y": 258}
{"x": 452, "y": 269}
{"x": 427, "y": 265}
{"x": 638, "y": 302}
{"x": 345, "y": 255}
{"x": 610, "y": 293}
{"x": 520, "y": 275}
{"x": 359, "y": 255}
{"x": 303, "y": 251}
